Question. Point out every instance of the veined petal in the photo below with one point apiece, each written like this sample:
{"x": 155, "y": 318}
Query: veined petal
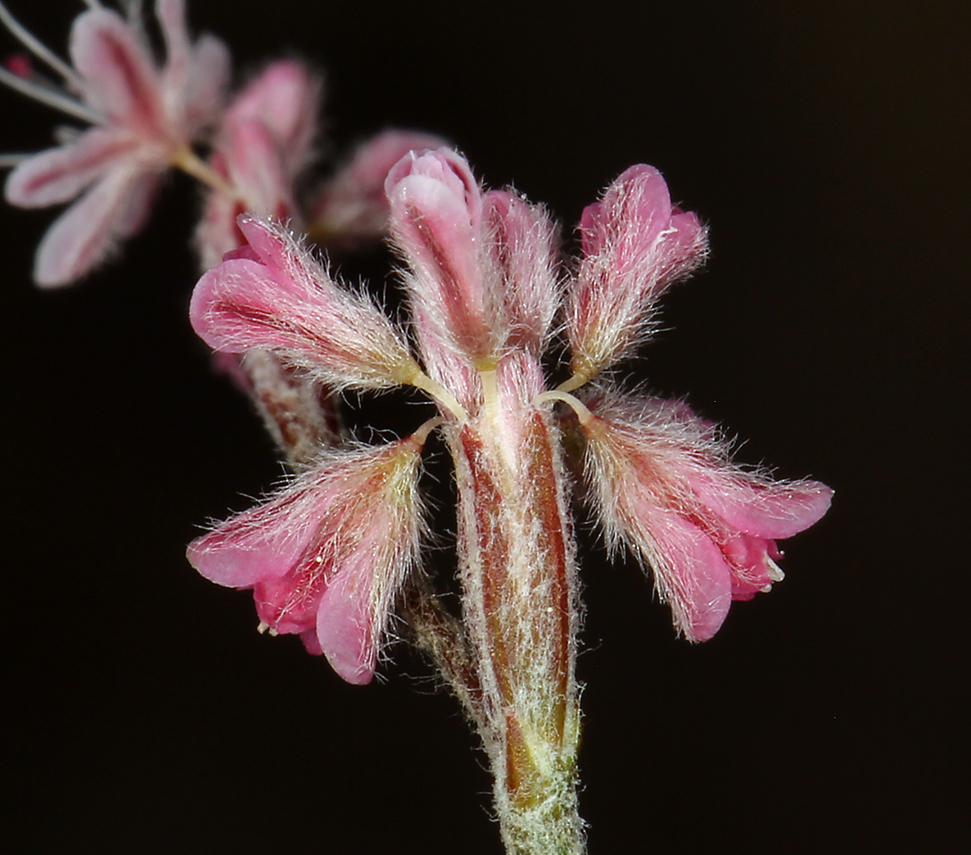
{"x": 118, "y": 71}
{"x": 85, "y": 233}
{"x": 287, "y": 303}
{"x": 435, "y": 221}
{"x": 352, "y": 207}
{"x": 59, "y": 174}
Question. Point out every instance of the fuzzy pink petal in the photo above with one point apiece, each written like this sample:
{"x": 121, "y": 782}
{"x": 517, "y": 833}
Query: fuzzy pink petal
{"x": 263, "y": 542}
{"x": 276, "y": 249}
{"x": 286, "y": 302}
{"x": 86, "y": 232}
{"x": 762, "y": 508}
{"x": 346, "y": 627}
{"x": 118, "y": 71}
{"x": 59, "y": 174}
{"x": 691, "y": 573}
{"x": 435, "y": 218}
{"x": 523, "y": 246}
{"x": 635, "y": 245}
{"x": 635, "y": 209}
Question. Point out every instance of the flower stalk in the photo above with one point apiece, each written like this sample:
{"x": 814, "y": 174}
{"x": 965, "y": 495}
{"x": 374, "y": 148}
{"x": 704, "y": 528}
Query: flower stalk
{"x": 518, "y": 575}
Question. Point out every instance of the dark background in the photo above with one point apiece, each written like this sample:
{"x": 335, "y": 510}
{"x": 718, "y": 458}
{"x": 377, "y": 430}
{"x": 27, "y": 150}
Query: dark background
{"x": 827, "y": 146}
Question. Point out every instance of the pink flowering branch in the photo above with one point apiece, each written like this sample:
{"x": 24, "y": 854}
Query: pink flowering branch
{"x": 335, "y": 554}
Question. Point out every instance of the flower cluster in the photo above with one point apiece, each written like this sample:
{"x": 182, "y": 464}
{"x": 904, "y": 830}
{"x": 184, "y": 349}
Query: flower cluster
{"x": 334, "y": 554}
{"x": 486, "y": 287}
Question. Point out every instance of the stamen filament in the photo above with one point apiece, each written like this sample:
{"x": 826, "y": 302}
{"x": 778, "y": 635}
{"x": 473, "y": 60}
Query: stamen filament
{"x": 44, "y": 54}
{"x": 50, "y": 97}
{"x": 573, "y": 383}
{"x": 420, "y": 436}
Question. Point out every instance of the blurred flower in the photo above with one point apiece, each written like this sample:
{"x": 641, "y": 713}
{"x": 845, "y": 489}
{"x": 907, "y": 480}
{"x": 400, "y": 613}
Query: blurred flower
{"x": 144, "y": 117}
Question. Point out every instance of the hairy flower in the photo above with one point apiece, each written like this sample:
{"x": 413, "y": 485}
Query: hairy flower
{"x": 143, "y": 117}
{"x": 327, "y": 556}
{"x": 663, "y": 483}
{"x": 484, "y": 285}
{"x": 635, "y": 244}
{"x": 273, "y": 295}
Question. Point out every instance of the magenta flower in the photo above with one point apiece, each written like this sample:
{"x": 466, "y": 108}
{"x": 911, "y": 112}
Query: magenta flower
{"x": 143, "y": 117}
{"x": 486, "y": 288}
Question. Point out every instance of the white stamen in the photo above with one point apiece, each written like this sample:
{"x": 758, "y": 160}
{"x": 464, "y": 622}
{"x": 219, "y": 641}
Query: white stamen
{"x": 19, "y": 32}
{"x": 774, "y": 570}
{"x": 51, "y": 98}
{"x": 9, "y": 161}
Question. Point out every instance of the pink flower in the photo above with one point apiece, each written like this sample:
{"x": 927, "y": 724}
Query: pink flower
{"x": 484, "y": 285}
{"x": 662, "y": 482}
{"x": 143, "y": 116}
{"x": 273, "y": 295}
{"x": 351, "y": 209}
{"x": 264, "y": 144}
{"x": 327, "y": 556}
{"x": 635, "y": 244}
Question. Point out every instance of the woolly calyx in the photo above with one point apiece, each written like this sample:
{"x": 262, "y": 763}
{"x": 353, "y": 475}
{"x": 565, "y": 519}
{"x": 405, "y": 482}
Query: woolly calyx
{"x": 635, "y": 244}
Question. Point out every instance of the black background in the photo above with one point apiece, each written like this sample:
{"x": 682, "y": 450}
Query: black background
{"x": 827, "y": 146}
